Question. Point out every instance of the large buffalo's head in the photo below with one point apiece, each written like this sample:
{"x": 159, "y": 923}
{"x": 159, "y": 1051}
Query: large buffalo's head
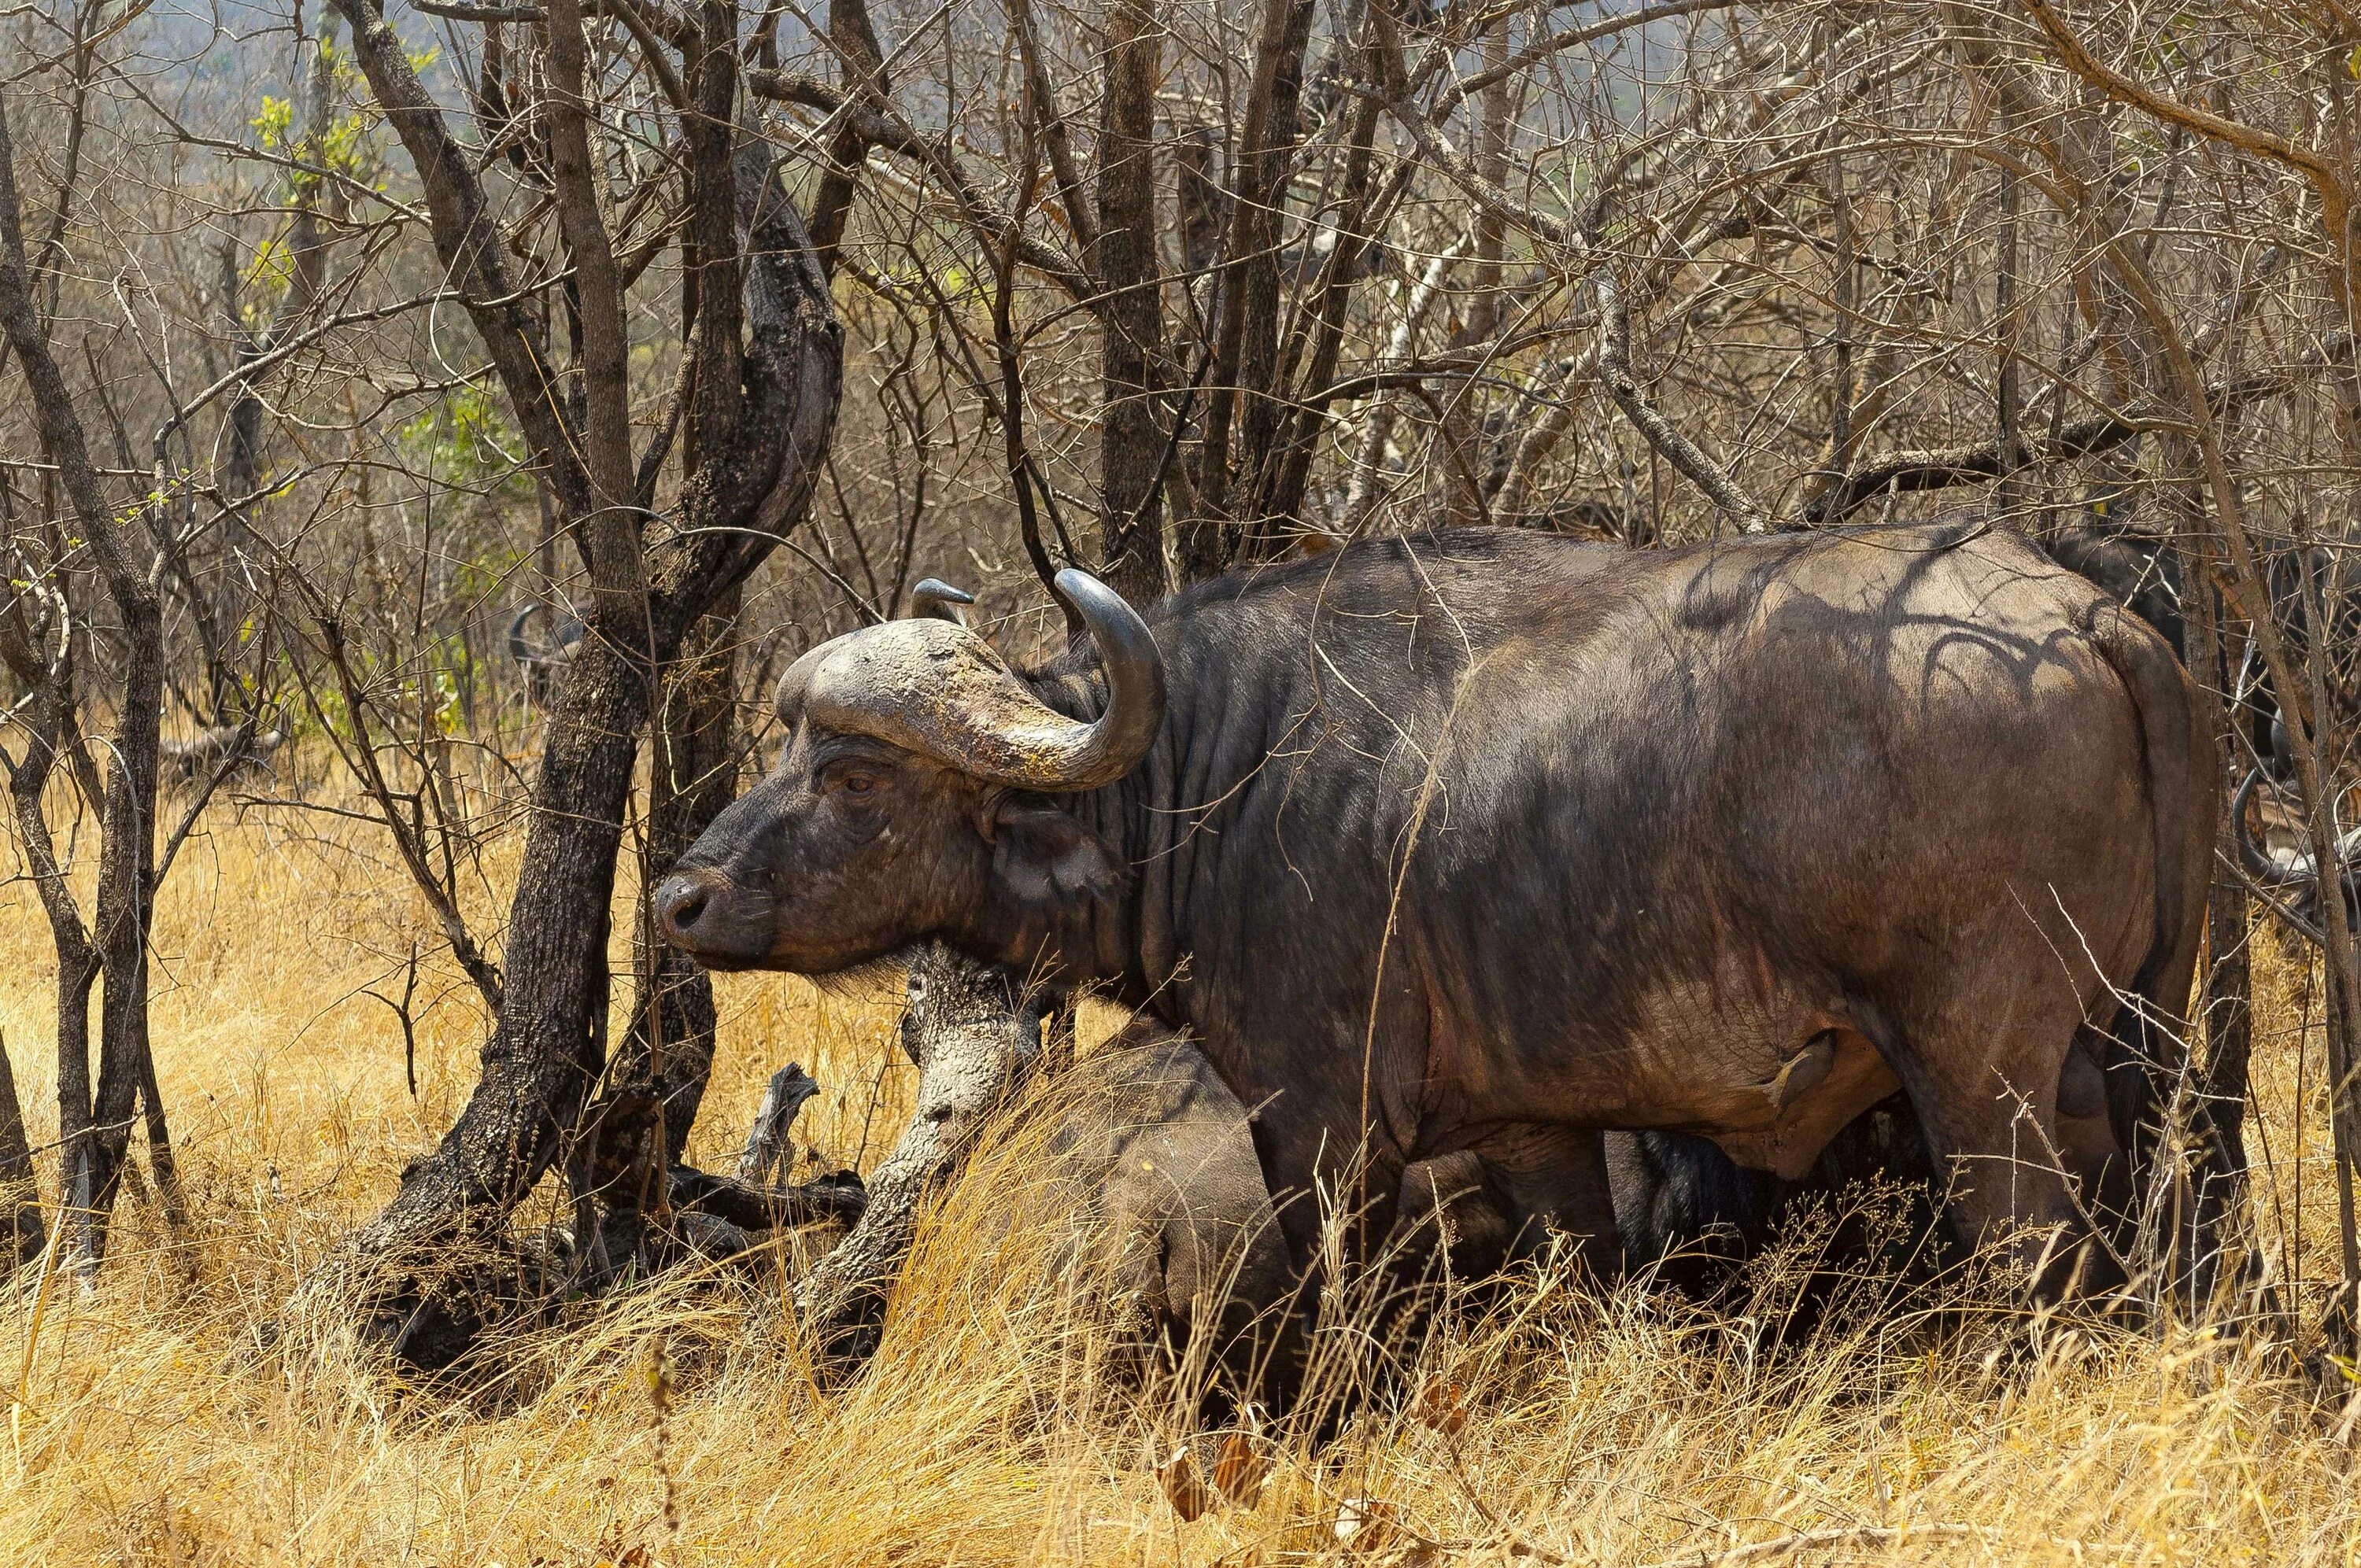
{"x": 907, "y": 801}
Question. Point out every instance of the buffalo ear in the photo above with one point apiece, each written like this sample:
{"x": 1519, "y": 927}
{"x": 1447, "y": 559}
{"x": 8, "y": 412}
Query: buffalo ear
{"x": 1043, "y": 859}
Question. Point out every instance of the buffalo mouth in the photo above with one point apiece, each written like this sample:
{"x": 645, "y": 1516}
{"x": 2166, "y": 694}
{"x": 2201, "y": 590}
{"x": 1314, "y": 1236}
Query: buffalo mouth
{"x": 714, "y": 919}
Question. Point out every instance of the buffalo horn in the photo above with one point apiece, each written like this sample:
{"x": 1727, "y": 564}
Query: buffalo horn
{"x": 2260, "y": 866}
{"x": 935, "y": 597}
{"x": 519, "y": 649}
{"x": 2292, "y": 868}
{"x": 941, "y": 691}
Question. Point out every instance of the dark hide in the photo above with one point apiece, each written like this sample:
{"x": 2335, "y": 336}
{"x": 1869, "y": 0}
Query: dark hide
{"x": 2140, "y": 569}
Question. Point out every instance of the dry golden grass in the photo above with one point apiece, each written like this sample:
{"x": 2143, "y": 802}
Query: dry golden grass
{"x": 1613, "y": 1429}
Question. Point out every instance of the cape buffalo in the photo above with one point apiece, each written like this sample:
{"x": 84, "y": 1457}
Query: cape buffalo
{"x": 543, "y": 662}
{"x": 188, "y": 763}
{"x": 1485, "y": 840}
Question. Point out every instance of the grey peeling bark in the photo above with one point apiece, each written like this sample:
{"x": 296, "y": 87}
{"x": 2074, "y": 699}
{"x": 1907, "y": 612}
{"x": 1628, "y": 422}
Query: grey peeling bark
{"x": 973, "y": 1037}
{"x": 1364, "y": 491}
{"x": 1131, "y": 438}
{"x": 2008, "y": 495}
{"x": 1262, "y": 413}
{"x": 126, "y": 869}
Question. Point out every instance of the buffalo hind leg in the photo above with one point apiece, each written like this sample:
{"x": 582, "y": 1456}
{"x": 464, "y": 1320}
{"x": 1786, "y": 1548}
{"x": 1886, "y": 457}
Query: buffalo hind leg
{"x": 1984, "y": 1080}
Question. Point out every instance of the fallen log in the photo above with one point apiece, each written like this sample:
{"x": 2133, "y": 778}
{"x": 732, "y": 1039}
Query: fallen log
{"x": 839, "y": 1197}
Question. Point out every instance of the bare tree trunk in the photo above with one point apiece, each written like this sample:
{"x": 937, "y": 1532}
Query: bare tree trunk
{"x": 761, "y": 411}
{"x": 643, "y": 1117}
{"x": 1131, "y": 434}
{"x": 550, "y": 1042}
{"x": 1287, "y": 470}
{"x": 126, "y": 868}
{"x": 1202, "y": 211}
{"x": 862, "y": 65}
{"x": 2225, "y": 999}
{"x": 50, "y": 677}
{"x": 1246, "y": 348}
{"x": 2008, "y": 493}
{"x": 1467, "y": 453}
{"x": 21, "y": 1233}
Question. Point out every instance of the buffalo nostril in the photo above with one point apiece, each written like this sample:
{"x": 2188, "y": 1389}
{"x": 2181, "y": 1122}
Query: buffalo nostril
{"x": 681, "y": 903}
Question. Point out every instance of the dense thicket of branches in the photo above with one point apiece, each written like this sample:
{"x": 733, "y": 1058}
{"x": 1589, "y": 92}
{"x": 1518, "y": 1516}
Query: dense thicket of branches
{"x": 379, "y": 329}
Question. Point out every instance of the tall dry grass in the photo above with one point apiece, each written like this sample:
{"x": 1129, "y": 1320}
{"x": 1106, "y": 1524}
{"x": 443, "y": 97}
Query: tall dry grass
{"x": 686, "y": 1426}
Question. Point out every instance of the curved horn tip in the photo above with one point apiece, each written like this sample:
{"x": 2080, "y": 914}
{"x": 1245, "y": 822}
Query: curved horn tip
{"x": 934, "y": 590}
{"x": 1075, "y": 583}
{"x": 933, "y": 598}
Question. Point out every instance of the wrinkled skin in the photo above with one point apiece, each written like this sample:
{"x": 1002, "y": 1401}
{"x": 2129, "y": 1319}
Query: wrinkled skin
{"x": 1489, "y": 840}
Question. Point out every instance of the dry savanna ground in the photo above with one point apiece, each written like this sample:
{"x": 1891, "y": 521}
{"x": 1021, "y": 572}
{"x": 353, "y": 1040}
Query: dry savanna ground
{"x": 1583, "y": 1427}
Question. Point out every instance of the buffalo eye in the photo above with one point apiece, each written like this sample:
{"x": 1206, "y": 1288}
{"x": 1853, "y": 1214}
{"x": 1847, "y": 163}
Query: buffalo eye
{"x": 853, "y": 779}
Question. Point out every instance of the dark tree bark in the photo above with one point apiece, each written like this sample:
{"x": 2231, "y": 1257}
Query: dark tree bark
{"x": 862, "y": 63}
{"x": 693, "y": 774}
{"x": 2226, "y": 997}
{"x": 1202, "y": 210}
{"x": 641, "y": 1121}
{"x": 21, "y": 1233}
{"x": 1466, "y": 453}
{"x": 126, "y": 866}
{"x": 1132, "y": 435}
{"x": 1245, "y": 344}
{"x": 49, "y": 678}
{"x": 1287, "y": 466}
{"x": 763, "y": 391}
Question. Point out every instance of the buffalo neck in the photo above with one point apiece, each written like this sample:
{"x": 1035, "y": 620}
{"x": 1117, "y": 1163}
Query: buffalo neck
{"x": 1098, "y": 942}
